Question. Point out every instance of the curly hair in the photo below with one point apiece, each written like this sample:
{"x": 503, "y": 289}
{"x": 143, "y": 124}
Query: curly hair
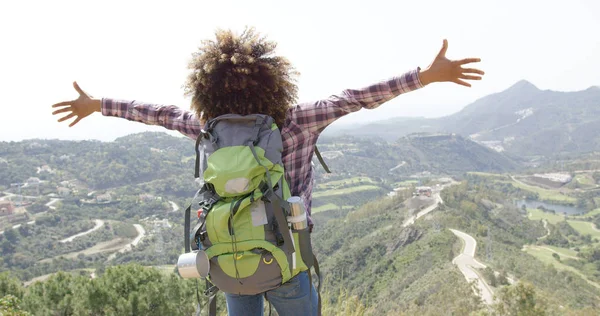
{"x": 238, "y": 74}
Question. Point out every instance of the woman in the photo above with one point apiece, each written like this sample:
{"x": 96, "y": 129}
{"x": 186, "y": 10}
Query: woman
{"x": 238, "y": 74}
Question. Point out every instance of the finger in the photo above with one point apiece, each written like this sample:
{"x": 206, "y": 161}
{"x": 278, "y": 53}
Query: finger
{"x": 64, "y": 118}
{"x": 473, "y": 71}
{"x": 76, "y": 86}
{"x": 444, "y": 48}
{"x": 76, "y": 121}
{"x": 468, "y": 61}
{"x": 469, "y": 77}
{"x": 462, "y": 83}
{"x": 65, "y": 103}
{"x": 69, "y": 109}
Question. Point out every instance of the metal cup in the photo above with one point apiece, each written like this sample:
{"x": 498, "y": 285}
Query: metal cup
{"x": 297, "y": 216}
{"x": 193, "y": 265}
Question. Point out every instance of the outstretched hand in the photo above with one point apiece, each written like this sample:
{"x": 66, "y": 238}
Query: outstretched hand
{"x": 79, "y": 108}
{"x": 444, "y": 70}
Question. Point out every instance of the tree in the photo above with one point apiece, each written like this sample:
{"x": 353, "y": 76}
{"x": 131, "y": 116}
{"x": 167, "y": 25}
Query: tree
{"x": 502, "y": 278}
{"x": 9, "y": 306}
{"x": 490, "y": 276}
{"x": 521, "y": 300}
{"x": 7, "y": 247}
{"x": 11, "y": 235}
{"x": 10, "y": 286}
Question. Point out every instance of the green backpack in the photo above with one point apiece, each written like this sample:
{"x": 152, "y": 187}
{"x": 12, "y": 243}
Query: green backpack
{"x": 245, "y": 225}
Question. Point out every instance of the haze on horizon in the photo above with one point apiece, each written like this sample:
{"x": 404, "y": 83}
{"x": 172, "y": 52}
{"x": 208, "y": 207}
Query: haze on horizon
{"x": 140, "y": 49}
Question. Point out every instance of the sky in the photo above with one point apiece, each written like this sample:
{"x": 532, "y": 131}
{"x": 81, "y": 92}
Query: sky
{"x": 139, "y": 50}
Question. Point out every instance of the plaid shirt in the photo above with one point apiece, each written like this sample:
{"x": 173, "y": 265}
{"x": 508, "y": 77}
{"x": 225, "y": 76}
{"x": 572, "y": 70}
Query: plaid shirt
{"x": 303, "y": 125}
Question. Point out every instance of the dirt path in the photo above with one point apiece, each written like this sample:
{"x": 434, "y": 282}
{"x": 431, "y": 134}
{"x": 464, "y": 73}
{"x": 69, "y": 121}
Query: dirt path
{"x": 411, "y": 220}
{"x": 141, "y": 233}
{"x": 547, "y": 230}
{"x": 52, "y": 201}
{"x": 105, "y": 246}
{"x": 99, "y": 223}
{"x": 19, "y": 225}
{"x": 174, "y": 206}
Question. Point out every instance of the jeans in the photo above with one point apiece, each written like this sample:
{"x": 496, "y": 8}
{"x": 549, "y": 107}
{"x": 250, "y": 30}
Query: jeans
{"x": 295, "y": 297}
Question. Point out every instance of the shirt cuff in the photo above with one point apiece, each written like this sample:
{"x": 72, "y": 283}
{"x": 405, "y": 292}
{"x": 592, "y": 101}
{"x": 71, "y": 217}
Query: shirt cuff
{"x": 419, "y": 84}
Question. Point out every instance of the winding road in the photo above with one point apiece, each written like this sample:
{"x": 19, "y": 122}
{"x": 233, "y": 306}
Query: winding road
{"x": 174, "y": 206}
{"x": 99, "y": 223}
{"x": 141, "y": 233}
{"x": 467, "y": 264}
{"x": 411, "y": 220}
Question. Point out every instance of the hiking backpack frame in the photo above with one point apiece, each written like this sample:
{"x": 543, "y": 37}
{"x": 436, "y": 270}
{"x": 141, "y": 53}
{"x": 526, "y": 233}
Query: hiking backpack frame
{"x": 244, "y": 227}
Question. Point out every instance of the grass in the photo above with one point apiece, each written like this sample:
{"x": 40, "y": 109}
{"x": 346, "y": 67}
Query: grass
{"x": 535, "y": 214}
{"x": 487, "y": 174}
{"x": 337, "y": 183}
{"x": 591, "y": 213}
{"x": 585, "y": 179}
{"x": 585, "y": 228}
{"x": 329, "y": 207}
{"x": 545, "y": 256}
{"x": 545, "y": 194}
{"x": 165, "y": 269}
{"x": 406, "y": 183}
{"x": 563, "y": 251}
{"x": 346, "y": 190}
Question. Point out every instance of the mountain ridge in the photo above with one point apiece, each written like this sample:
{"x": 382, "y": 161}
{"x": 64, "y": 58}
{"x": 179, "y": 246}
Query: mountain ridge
{"x": 521, "y": 119}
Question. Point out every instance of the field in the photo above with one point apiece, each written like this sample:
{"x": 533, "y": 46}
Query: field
{"x": 545, "y": 194}
{"x": 535, "y": 214}
{"x": 563, "y": 252}
{"x": 335, "y": 184}
{"x": 545, "y": 256}
{"x": 585, "y": 179}
{"x": 329, "y": 207}
{"x": 589, "y": 214}
{"x": 585, "y": 228}
{"x": 489, "y": 175}
{"x": 405, "y": 183}
{"x": 345, "y": 190}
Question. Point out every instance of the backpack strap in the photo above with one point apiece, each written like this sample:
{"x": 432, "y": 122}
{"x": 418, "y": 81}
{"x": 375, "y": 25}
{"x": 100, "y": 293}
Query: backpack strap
{"x": 211, "y": 291}
{"x": 320, "y": 159}
{"x": 316, "y": 266}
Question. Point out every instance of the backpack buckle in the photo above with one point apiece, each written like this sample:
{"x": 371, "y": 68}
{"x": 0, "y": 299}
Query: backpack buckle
{"x": 211, "y": 291}
{"x": 206, "y": 205}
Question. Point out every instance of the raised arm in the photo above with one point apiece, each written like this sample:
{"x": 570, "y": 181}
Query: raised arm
{"x": 316, "y": 116}
{"x": 167, "y": 116}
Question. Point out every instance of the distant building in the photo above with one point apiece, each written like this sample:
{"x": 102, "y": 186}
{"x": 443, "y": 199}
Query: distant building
{"x": 6, "y": 208}
{"x": 46, "y": 168}
{"x": 420, "y": 191}
{"x": 33, "y": 181}
{"x": 147, "y": 198}
{"x": 103, "y": 198}
{"x": 62, "y": 191}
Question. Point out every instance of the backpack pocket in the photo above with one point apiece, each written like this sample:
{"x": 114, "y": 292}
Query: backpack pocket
{"x": 247, "y": 272}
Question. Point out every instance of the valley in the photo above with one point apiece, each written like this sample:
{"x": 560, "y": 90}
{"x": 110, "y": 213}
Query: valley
{"x": 389, "y": 221}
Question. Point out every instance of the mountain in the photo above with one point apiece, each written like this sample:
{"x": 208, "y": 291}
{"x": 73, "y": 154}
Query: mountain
{"x": 523, "y": 120}
{"x": 411, "y": 154}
